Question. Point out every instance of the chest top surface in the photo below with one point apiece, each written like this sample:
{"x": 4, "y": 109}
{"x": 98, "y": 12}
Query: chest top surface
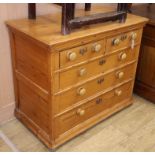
{"x": 47, "y": 28}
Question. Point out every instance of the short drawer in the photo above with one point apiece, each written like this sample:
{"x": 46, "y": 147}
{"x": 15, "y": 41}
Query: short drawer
{"x": 82, "y": 53}
{"x": 124, "y": 40}
{"x": 86, "y": 71}
{"x": 80, "y": 114}
{"x": 69, "y": 98}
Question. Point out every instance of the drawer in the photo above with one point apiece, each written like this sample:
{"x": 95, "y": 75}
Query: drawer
{"x": 124, "y": 40}
{"x": 92, "y": 87}
{"x": 81, "y": 53}
{"x": 80, "y": 114}
{"x": 83, "y": 72}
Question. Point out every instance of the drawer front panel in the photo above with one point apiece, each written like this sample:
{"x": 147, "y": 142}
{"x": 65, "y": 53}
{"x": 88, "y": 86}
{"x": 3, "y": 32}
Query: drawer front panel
{"x": 82, "y": 53}
{"x": 92, "y": 87}
{"x": 123, "y": 40}
{"x": 78, "y": 115}
{"x": 72, "y": 76}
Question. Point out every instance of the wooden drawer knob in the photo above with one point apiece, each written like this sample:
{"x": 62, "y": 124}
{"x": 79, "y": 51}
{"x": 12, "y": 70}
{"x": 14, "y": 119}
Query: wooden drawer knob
{"x": 81, "y": 91}
{"x": 97, "y": 47}
{"x": 116, "y": 41}
{"x": 118, "y": 92}
{"x": 122, "y": 56}
{"x": 120, "y": 75}
{"x": 134, "y": 35}
{"x": 80, "y": 112}
{"x": 71, "y": 56}
{"x": 82, "y": 72}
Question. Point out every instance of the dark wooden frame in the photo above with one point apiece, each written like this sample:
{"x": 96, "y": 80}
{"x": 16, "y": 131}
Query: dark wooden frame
{"x": 70, "y": 22}
{"x": 32, "y": 11}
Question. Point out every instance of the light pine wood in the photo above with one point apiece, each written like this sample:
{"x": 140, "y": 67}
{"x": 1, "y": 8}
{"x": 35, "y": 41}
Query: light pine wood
{"x": 10, "y": 11}
{"x": 82, "y": 53}
{"x": 120, "y": 131}
{"x": 43, "y": 74}
{"x": 72, "y": 118}
{"x": 124, "y": 40}
{"x": 31, "y": 61}
{"x": 101, "y": 83}
{"x": 69, "y": 77}
{"x": 52, "y": 37}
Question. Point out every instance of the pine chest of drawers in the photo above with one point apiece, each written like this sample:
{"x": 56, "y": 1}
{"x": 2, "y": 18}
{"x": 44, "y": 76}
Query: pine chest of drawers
{"x": 66, "y": 84}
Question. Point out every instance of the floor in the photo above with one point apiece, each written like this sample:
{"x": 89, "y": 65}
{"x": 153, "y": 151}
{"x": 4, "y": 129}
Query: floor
{"x": 132, "y": 129}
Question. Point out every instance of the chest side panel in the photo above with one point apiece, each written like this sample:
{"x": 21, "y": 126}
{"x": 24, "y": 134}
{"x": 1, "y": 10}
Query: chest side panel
{"x": 32, "y": 76}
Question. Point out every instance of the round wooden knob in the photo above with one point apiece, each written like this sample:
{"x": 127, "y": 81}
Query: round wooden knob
{"x": 120, "y": 75}
{"x": 116, "y": 41}
{"x": 97, "y": 47}
{"x": 71, "y": 56}
{"x": 81, "y": 91}
{"x": 80, "y": 112}
{"x": 82, "y": 72}
{"x": 122, "y": 56}
{"x": 133, "y": 35}
{"x": 118, "y": 92}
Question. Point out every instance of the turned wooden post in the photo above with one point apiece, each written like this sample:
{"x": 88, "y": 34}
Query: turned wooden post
{"x": 129, "y": 7}
{"x": 122, "y": 7}
{"x": 31, "y": 10}
{"x": 87, "y": 6}
{"x": 125, "y": 9}
{"x": 67, "y": 15}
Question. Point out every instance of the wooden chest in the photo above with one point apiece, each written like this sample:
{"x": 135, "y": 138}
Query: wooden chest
{"x": 66, "y": 84}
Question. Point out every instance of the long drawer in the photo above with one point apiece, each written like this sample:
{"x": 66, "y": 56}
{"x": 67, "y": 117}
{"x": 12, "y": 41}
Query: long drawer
{"x": 80, "y": 73}
{"x": 76, "y": 94}
{"x": 80, "y": 114}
